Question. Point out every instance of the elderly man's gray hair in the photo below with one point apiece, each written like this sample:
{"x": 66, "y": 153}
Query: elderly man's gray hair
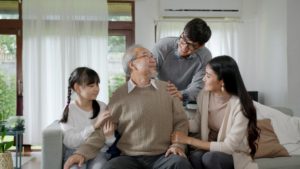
{"x": 129, "y": 56}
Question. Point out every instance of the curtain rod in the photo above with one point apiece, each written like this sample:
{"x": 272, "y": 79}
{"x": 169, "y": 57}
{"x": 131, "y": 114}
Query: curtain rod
{"x": 210, "y": 19}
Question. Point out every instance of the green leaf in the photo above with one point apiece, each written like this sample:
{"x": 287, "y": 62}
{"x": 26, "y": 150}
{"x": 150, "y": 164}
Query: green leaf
{"x": 4, "y": 146}
{"x": 3, "y": 133}
{"x": 7, "y": 145}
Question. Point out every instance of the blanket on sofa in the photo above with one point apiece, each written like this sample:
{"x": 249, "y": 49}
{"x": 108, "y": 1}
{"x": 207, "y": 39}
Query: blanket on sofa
{"x": 287, "y": 128}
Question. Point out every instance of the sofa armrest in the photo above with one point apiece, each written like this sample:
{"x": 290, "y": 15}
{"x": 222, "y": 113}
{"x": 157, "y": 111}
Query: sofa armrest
{"x": 52, "y": 149}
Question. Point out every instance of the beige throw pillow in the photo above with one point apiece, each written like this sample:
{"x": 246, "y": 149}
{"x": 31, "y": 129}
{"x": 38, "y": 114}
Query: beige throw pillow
{"x": 268, "y": 144}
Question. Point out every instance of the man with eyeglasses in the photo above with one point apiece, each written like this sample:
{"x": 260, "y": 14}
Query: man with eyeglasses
{"x": 182, "y": 61}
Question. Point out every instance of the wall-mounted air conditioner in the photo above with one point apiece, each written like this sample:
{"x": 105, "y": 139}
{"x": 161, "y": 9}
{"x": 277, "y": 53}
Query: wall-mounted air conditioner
{"x": 200, "y": 8}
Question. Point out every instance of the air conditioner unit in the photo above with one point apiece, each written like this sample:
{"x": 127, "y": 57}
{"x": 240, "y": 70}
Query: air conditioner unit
{"x": 200, "y": 8}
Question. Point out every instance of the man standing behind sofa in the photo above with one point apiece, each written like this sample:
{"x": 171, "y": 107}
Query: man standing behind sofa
{"x": 182, "y": 61}
{"x": 146, "y": 115}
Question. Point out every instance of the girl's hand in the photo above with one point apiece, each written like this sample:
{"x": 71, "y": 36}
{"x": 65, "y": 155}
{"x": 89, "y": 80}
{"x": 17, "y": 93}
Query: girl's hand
{"x": 102, "y": 118}
{"x": 109, "y": 129}
{"x": 179, "y": 137}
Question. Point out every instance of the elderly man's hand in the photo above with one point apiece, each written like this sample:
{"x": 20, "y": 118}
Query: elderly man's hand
{"x": 74, "y": 159}
{"x": 172, "y": 89}
{"x": 175, "y": 150}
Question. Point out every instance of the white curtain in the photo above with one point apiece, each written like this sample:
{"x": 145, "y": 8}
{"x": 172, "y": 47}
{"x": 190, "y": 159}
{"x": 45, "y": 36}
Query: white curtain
{"x": 224, "y": 40}
{"x": 58, "y": 36}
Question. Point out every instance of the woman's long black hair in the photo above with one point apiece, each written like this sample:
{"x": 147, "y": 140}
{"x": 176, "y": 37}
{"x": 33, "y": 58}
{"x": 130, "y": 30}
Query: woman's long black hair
{"x": 227, "y": 70}
{"x": 81, "y": 76}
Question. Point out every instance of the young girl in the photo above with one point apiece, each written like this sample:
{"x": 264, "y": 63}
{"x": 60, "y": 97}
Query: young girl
{"x": 83, "y": 115}
{"x": 226, "y": 119}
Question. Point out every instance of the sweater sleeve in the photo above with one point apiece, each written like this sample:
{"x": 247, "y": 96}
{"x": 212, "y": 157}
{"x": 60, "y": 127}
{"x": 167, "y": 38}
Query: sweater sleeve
{"x": 110, "y": 140}
{"x": 194, "y": 123}
{"x": 73, "y": 136}
{"x": 180, "y": 121}
{"x": 235, "y": 136}
{"x": 90, "y": 148}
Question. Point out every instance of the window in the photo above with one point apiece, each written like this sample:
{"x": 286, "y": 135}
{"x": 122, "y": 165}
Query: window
{"x": 9, "y": 9}
{"x": 10, "y": 59}
{"x": 120, "y": 11}
{"x": 121, "y": 36}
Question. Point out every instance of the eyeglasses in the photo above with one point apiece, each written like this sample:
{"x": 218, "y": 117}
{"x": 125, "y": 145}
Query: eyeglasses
{"x": 184, "y": 41}
{"x": 143, "y": 55}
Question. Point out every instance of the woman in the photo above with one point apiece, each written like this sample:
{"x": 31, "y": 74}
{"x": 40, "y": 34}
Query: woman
{"x": 226, "y": 119}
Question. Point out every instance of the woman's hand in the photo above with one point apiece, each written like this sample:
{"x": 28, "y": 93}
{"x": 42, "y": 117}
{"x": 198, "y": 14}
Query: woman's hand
{"x": 109, "y": 129}
{"x": 102, "y": 118}
{"x": 179, "y": 137}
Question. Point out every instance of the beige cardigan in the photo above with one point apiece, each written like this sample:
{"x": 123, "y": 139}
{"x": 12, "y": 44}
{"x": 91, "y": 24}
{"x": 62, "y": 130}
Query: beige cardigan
{"x": 232, "y": 137}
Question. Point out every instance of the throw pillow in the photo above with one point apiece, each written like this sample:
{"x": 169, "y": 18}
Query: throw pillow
{"x": 268, "y": 144}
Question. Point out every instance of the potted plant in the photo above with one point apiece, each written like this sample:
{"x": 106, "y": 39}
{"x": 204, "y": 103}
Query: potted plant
{"x": 14, "y": 123}
{"x": 5, "y": 156}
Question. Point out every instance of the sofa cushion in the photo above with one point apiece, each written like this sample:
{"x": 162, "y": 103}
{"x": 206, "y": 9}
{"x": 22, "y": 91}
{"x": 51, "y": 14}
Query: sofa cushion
{"x": 291, "y": 162}
{"x": 268, "y": 144}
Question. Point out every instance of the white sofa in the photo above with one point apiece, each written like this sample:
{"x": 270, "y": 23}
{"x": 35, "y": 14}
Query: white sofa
{"x": 292, "y": 162}
{"x": 52, "y": 150}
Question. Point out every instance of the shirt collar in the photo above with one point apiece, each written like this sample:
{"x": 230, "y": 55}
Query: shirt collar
{"x": 131, "y": 85}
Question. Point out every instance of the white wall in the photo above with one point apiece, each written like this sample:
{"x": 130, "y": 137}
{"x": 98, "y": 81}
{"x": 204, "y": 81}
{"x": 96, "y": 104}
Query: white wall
{"x": 272, "y": 61}
{"x": 146, "y": 13}
{"x": 293, "y": 54}
{"x": 248, "y": 38}
{"x": 269, "y": 39}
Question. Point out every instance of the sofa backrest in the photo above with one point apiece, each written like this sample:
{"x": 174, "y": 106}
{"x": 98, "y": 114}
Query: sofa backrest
{"x": 284, "y": 110}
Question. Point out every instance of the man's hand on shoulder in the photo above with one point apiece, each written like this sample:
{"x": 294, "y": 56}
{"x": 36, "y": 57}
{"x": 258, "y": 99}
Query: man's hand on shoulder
{"x": 74, "y": 159}
{"x": 172, "y": 89}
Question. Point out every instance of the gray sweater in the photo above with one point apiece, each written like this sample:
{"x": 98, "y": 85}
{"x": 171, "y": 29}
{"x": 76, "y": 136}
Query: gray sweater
{"x": 185, "y": 73}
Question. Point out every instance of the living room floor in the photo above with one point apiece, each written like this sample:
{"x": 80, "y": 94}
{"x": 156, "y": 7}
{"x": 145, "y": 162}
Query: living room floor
{"x": 34, "y": 161}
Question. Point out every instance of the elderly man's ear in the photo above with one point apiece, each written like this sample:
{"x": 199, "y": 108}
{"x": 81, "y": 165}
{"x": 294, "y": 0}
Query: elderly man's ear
{"x": 132, "y": 66}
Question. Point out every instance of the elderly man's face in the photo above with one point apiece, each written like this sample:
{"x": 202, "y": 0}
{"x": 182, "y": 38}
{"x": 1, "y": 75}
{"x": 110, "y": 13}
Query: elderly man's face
{"x": 144, "y": 62}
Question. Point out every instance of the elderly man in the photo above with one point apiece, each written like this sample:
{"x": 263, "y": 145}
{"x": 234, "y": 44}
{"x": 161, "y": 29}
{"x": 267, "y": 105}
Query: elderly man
{"x": 146, "y": 115}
